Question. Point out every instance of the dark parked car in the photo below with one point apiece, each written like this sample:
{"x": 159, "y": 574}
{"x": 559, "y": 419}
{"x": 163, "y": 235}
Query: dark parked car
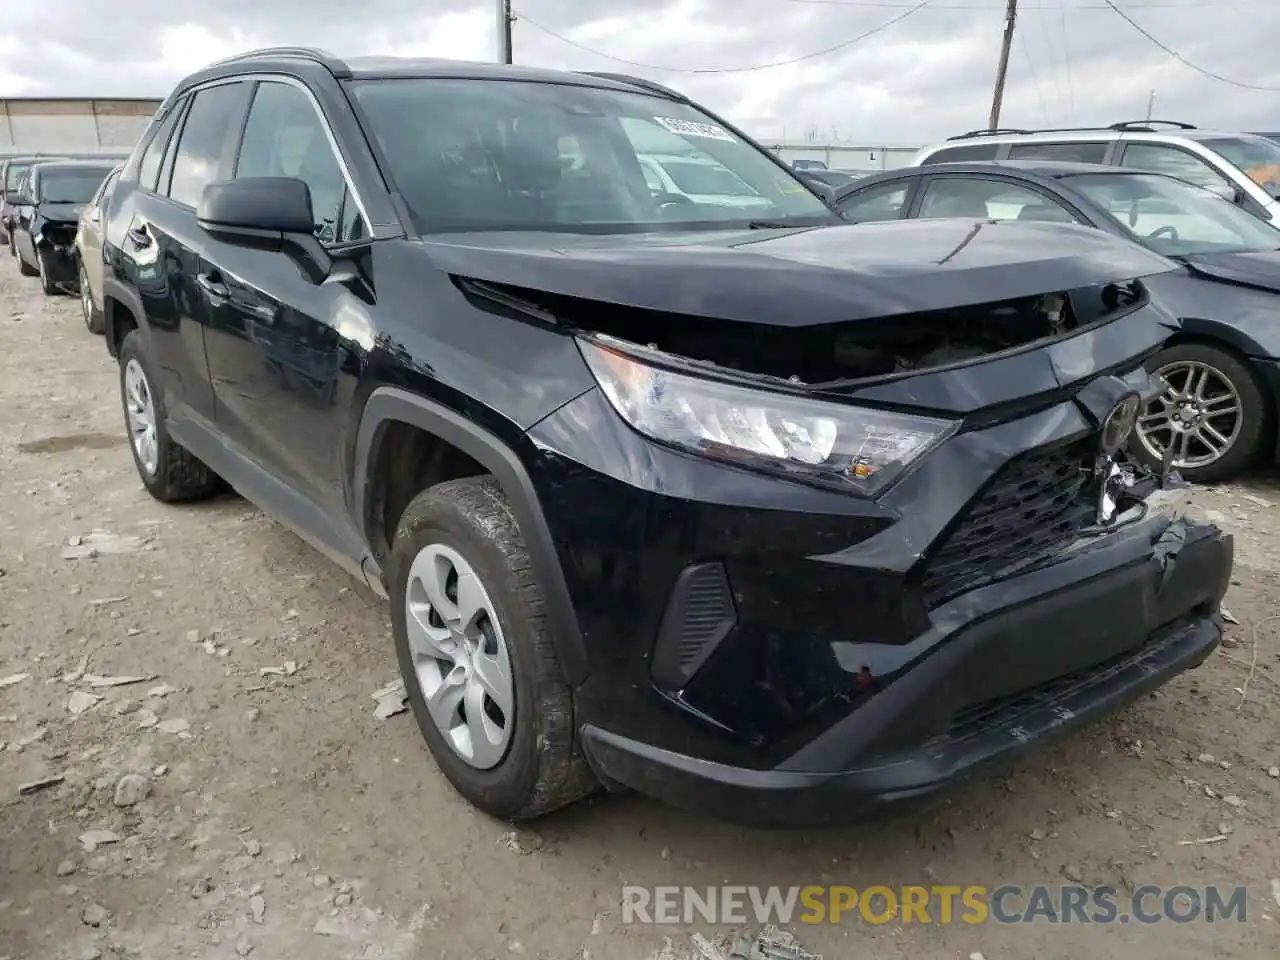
{"x": 1223, "y": 360}
{"x": 11, "y": 171}
{"x": 51, "y": 197}
{"x": 771, "y": 517}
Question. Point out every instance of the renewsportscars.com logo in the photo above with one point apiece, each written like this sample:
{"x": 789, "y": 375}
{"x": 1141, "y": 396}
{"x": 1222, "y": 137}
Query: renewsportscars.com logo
{"x": 1070, "y": 903}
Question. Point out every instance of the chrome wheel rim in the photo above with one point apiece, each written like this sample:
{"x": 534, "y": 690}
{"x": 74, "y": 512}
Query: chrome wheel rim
{"x": 460, "y": 657}
{"x": 140, "y": 411}
{"x": 86, "y": 301}
{"x": 1199, "y": 414}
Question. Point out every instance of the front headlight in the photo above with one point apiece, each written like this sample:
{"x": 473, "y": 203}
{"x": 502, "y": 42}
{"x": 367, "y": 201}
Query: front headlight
{"x": 851, "y": 447}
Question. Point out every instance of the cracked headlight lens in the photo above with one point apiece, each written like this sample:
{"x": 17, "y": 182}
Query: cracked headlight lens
{"x": 852, "y": 447}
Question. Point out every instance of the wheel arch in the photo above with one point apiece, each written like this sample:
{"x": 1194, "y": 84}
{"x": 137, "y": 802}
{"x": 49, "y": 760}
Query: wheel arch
{"x": 121, "y": 312}
{"x": 388, "y": 406}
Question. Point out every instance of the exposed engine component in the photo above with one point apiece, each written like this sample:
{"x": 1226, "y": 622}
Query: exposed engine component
{"x": 826, "y": 353}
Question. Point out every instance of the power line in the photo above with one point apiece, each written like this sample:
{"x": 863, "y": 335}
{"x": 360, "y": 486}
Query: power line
{"x": 715, "y": 70}
{"x": 1035, "y": 78}
{"x": 1183, "y": 60}
{"x": 1066, "y": 53}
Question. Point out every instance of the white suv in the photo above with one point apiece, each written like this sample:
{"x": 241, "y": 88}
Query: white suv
{"x": 1244, "y": 166}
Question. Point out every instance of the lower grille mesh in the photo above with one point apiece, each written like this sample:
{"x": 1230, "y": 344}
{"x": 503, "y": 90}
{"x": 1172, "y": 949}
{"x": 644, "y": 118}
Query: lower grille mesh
{"x": 1034, "y": 505}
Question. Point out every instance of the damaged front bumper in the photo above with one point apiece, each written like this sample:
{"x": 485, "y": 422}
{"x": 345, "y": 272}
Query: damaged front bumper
{"x": 999, "y": 669}
{"x": 60, "y": 267}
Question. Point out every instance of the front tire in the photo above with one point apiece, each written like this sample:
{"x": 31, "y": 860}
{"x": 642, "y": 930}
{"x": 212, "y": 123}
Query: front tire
{"x": 168, "y": 471}
{"x": 1215, "y": 413}
{"x": 25, "y": 268}
{"x": 476, "y": 653}
{"x": 42, "y": 268}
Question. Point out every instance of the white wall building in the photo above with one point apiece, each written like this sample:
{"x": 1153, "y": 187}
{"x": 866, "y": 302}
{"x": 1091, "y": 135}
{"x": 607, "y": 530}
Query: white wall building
{"x": 52, "y": 125}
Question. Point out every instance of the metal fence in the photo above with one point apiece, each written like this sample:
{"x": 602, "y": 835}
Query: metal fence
{"x": 853, "y": 157}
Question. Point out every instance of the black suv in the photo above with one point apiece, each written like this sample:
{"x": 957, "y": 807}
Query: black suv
{"x": 769, "y": 517}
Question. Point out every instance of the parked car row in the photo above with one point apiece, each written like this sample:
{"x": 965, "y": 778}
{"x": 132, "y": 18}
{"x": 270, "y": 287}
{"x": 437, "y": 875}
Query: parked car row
{"x": 53, "y": 211}
{"x": 1222, "y": 361}
{"x": 744, "y": 506}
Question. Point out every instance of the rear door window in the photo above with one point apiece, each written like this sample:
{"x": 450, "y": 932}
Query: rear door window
{"x": 973, "y": 151}
{"x": 1074, "y": 151}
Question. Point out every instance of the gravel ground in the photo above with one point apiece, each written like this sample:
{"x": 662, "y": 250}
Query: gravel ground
{"x": 273, "y": 814}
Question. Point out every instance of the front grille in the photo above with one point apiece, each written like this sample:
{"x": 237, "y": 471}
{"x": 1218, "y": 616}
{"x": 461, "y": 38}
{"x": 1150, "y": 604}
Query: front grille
{"x": 1035, "y": 504}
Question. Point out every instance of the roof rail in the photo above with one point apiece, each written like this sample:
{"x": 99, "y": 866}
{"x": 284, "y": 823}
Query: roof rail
{"x": 1148, "y": 126}
{"x": 329, "y": 61}
{"x": 987, "y": 133}
{"x": 633, "y": 82}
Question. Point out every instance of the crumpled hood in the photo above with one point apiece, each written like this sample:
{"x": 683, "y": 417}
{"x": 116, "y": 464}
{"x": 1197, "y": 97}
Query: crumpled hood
{"x": 61, "y": 212}
{"x": 802, "y": 277}
{"x": 1259, "y": 270}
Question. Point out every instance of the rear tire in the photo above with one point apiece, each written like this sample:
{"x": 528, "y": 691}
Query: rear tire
{"x": 1227, "y": 373}
{"x": 168, "y": 471}
{"x": 540, "y": 767}
{"x": 93, "y": 318}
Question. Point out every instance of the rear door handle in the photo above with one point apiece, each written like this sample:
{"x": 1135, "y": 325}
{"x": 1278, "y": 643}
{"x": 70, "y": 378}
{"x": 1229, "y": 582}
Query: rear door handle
{"x": 214, "y": 288}
{"x": 140, "y": 237}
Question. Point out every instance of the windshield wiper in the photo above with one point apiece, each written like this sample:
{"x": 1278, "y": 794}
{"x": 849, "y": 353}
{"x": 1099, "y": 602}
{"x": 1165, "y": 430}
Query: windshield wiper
{"x": 769, "y": 225}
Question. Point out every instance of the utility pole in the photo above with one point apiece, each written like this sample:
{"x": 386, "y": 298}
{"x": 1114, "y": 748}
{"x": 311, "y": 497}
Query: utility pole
{"x": 505, "y": 20}
{"x": 1151, "y": 102}
{"x": 997, "y": 98}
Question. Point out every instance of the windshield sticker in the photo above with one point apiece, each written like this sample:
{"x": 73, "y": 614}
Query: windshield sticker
{"x": 787, "y": 185}
{"x": 690, "y": 128}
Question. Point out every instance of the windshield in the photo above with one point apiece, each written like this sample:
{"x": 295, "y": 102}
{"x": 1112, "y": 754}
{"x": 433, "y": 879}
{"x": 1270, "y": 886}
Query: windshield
{"x": 516, "y": 155}
{"x": 690, "y": 176}
{"x": 70, "y": 185}
{"x": 1175, "y": 218}
{"x": 13, "y": 175}
{"x": 1257, "y": 157}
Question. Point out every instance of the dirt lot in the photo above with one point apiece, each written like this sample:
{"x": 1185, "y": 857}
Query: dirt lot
{"x": 282, "y": 819}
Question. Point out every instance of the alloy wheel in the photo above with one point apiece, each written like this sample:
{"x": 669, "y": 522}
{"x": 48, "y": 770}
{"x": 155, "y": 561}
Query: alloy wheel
{"x": 140, "y": 411}
{"x": 460, "y": 657}
{"x": 1199, "y": 414}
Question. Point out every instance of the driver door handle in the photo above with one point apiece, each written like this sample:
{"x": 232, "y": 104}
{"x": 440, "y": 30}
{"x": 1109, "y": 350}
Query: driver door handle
{"x": 213, "y": 287}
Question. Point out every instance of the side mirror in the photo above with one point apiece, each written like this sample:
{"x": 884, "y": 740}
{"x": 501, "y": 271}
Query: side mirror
{"x": 266, "y": 213}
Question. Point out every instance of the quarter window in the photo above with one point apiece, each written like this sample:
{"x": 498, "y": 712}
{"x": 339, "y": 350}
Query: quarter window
{"x": 198, "y": 159}
{"x": 883, "y": 202}
{"x": 1172, "y": 161}
{"x": 285, "y": 137}
{"x": 154, "y": 154}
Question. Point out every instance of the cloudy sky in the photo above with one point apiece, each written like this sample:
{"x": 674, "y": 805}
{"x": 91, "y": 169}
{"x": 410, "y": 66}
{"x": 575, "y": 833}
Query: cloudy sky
{"x": 929, "y": 74}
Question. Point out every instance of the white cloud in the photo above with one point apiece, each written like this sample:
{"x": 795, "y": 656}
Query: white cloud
{"x": 1074, "y": 62}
